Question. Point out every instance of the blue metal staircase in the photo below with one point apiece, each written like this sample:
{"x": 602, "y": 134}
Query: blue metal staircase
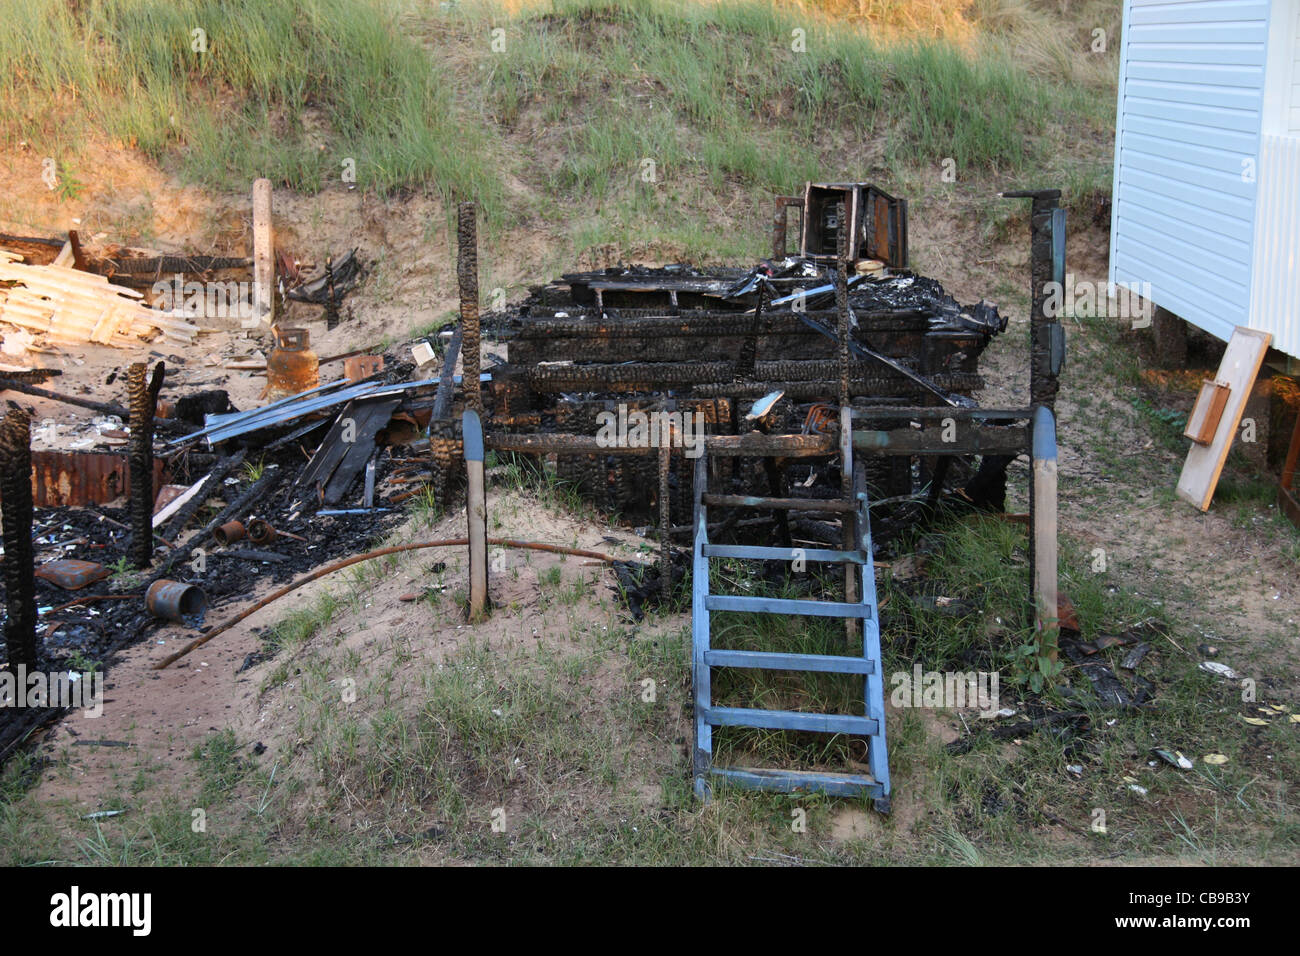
{"x": 705, "y": 658}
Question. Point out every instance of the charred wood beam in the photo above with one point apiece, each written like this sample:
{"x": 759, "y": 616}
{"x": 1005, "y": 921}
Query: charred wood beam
{"x": 467, "y": 284}
{"x": 104, "y": 408}
{"x": 825, "y": 388}
{"x": 446, "y": 383}
{"x": 735, "y": 446}
{"x": 211, "y": 484}
{"x": 977, "y": 440}
{"x": 705, "y": 324}
{"x": 938, "y": 413}
{"x": 651, "y": 375}
{"x": 235, "y": 511}
{"x": 143, "y": 398}
{"x": 19, "y": 577}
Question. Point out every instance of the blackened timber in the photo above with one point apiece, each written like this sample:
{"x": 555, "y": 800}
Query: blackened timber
{"x": 937, "y": 412}
{"x": 346, "y": 448}
{"x": 446, "y": 384}
{"x": 143, "y": 400}
{"x": 968, "y": 440}
{"x": 753, "y": 445}
{"x": 703, "y": 323}
{"x": 104, "y": 408}
{"x": 377, "y": 415}
{"x": 211, "y": 484}
{"x": 19, "y": 568}
{"x": 467, "y": 286}
{"x": 570, "y": 378}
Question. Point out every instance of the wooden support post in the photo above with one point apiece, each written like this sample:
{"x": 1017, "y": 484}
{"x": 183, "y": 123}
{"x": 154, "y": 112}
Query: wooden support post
{"x": 263, "y": 255}
{"x": 467, "y": 284}
{"x": 1047, "y": 623}
{"x": 1170, "y": 333}
{"x": 476, "y": 515}
{"x": 1287, "y": 499}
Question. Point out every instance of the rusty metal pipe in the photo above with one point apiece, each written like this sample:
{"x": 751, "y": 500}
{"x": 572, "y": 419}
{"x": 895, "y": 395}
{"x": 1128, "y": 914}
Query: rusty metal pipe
{"x": 260, "y": 531}
{"x": 176, "y": 601}
{"x": 229, "y": 533}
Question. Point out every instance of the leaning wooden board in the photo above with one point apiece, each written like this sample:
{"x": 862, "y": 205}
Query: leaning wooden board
{"x": 1241, "y": 363}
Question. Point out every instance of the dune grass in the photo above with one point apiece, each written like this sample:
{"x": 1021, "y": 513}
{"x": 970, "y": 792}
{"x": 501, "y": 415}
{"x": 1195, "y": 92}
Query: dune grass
{"x": 234, "y": 89}
{"x": 638, "y": 111}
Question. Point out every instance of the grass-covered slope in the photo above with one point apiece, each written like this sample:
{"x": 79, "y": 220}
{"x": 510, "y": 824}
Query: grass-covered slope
{"x": 597, "y": 113}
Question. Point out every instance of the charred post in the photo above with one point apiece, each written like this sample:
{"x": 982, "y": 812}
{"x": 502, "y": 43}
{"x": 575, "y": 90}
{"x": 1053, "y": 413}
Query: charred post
{"x": 467, "y": 281}
{"x": 142, "y": 399}
{"x": 20, "y": 581}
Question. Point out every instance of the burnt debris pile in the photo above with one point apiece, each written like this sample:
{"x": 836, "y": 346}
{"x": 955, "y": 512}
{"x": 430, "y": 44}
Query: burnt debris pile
{"x": 735, "y": 351}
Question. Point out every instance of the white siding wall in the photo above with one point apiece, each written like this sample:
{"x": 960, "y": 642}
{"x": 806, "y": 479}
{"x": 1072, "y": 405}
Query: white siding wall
{"x": 1293, "y": 127}
{"x": 1188, "y": 124}
{"x": 1275, "y": 301}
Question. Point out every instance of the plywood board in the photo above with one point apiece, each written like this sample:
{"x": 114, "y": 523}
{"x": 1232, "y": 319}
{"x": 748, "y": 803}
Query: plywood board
{"x": 1241, "y": 363}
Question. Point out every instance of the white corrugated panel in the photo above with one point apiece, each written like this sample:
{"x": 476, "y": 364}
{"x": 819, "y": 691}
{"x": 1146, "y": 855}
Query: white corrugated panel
{"x": 1294, "y": 125}
{"x": 1274, "y": 303}
{"x": 1187, "y": 127}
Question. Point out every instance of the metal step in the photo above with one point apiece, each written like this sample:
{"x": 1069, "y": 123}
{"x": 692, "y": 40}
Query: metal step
{"x": 753, "y": 552}
{"x": 793, "y": 781}
{"x": 820, "y": 663}
{"x": 791, "y": 720}
{"x": 764, "y": 605}
{"x": 780, "y": 504}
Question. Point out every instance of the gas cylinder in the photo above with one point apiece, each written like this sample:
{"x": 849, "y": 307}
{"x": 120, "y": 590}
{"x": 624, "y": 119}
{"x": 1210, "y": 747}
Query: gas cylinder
{"x": 292, "y": 367}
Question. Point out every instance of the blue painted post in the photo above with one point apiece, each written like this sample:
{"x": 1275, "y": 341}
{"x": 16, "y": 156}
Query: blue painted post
{"x": 1047, "y": 623}
{"x": 700, "y": 637}
{"x": 476, "y": 514}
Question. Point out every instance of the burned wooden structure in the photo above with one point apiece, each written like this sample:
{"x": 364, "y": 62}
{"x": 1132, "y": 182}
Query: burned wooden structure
{"x": 767, "y": 359}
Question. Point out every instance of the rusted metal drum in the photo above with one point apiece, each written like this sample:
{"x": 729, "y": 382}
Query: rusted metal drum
{"x": 176, "y": 601}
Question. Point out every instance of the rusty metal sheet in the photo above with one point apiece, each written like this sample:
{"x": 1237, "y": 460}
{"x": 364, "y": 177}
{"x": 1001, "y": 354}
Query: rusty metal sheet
{"x": 358, "y": 367}
{"x": 73, "y": 478}
{"x": 72, "y": 574}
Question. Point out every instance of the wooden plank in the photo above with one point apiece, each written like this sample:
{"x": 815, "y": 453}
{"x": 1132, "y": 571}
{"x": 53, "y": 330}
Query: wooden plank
{"x": 1203, "y": 422}
{"x": 263, "y": 254}
{"x": 1240, "y": 365}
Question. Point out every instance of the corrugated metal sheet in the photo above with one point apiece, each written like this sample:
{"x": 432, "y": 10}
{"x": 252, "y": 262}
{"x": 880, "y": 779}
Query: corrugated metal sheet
{"x": 61, "y": 478}
{"x": 1188, "y": 119}
{"x": 1293, "y": 126}
{"x": 1275, "y": 302}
